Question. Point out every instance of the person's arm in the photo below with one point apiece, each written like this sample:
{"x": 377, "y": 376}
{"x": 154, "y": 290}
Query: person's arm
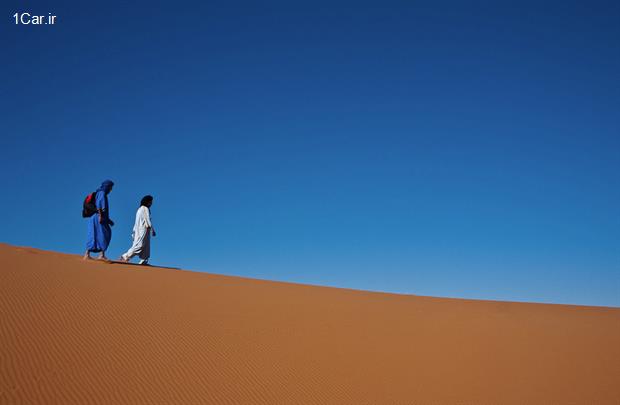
{"x": 102, "y": 207}
{"x": 147, "y": 220}
{"x": 100, "y": 204}
{"x": 147, "y": 217}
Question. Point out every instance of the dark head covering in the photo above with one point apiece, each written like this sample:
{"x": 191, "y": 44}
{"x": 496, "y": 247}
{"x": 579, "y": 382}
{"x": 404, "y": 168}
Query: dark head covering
{"x": 106, "y": 186}
{"x": 145, "y": 200}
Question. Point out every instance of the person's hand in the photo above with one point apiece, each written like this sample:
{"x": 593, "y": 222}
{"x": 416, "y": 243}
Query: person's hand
{"x": 154, "y": 234}
{"x": 111, "y": 222}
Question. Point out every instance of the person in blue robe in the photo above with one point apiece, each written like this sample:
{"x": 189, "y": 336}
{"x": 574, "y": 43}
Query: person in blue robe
{"x": 100, "y": 224}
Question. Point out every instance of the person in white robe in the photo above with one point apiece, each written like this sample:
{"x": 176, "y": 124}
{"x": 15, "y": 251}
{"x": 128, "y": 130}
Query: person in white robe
{"x": 142, "y": 230}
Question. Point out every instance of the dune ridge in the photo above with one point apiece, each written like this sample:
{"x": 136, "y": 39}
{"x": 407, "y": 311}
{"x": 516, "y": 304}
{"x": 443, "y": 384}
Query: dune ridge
{"x": 75, "y": 332}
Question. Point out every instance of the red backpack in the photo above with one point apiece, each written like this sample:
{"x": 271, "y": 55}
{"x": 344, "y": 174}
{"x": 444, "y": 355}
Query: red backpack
{"x": 89, "y": 207}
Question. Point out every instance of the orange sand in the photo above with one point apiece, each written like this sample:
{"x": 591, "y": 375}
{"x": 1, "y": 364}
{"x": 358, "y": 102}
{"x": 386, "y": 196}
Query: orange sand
{"x": 75, "y": 332}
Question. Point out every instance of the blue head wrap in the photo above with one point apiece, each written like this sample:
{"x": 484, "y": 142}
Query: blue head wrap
{"x": 106, "y": 186}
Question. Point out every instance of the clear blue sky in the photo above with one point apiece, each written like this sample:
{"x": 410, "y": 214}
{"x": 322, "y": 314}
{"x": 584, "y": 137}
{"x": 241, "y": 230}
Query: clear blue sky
{"x": 461, "y": 149}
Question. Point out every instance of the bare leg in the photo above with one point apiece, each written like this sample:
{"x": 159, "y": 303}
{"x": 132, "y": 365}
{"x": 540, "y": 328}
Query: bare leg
{"x": 87, "y": 256}
{"x": 103, "y": 258}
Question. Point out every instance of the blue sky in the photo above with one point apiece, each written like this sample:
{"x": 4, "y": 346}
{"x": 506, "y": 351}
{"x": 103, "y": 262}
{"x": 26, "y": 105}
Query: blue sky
{"x": 444, "y": 148}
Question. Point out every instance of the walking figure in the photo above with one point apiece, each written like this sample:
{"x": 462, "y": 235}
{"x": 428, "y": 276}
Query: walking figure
{"x": 142, "y": 230}
{"x": 99, "y": 223}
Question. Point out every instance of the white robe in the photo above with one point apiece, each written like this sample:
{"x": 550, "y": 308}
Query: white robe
{"x": 141, "y": 236}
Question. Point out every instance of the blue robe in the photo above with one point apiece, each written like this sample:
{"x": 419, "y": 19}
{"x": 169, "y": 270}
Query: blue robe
{"x": 99, "y": 235}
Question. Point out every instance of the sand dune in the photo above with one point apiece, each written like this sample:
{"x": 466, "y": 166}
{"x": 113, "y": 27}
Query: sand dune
{"x": 91, "y": 333}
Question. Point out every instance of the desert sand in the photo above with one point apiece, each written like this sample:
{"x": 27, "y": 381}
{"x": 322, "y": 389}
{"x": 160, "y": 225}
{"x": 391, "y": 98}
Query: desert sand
{"x": 75, "y": 332}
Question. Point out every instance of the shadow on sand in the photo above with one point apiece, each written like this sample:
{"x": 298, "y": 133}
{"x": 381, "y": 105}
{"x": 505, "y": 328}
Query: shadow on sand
{"x": 146, "y": 266}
